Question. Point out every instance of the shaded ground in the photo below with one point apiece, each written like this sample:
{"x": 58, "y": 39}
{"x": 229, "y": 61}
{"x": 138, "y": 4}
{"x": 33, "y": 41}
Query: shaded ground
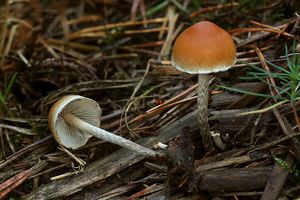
{"x": 118, "y": 53}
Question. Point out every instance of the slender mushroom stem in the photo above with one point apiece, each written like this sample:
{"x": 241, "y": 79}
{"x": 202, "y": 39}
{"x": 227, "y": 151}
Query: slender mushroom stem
{"x": 107, "y": 136}
{"x": 203, "y": 87}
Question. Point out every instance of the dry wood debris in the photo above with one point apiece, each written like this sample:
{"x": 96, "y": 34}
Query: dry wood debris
{"x": 117, "y": 52}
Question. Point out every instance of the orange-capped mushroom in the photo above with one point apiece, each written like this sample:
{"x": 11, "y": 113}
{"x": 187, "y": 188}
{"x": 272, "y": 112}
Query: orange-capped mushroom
{"x": 201, "y": 49}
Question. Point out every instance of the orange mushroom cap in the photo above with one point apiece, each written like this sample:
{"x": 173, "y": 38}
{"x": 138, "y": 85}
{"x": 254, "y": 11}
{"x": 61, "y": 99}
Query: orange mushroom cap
{"x": 203, "y": 48}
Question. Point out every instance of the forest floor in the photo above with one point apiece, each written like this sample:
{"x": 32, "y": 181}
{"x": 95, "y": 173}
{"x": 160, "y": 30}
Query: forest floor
{"x": 118, "y": 52}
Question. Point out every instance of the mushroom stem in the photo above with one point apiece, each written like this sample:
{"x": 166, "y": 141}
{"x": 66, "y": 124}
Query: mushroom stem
{"x": 203, "y": 87}
{"x": 107, "y": 136}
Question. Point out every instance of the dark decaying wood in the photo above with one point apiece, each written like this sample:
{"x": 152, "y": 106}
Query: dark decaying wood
{"x": 276, "y": 180}
{"x": 119, "y": 55}
{"x": 114, "y": 163}
{"x": 122, "y": 159}
{"x": 234, "y": 179}
{"x": 224, "y": 180}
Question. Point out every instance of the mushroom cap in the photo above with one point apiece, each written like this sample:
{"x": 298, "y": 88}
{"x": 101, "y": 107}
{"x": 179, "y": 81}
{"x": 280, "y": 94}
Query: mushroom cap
{"x": 203, "y": 48}
{"x": 82, "y": 108}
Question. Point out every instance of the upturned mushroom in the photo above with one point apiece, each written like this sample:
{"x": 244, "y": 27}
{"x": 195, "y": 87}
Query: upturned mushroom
{"x": 74, "y": 119}
{"x": 201, "y": 49}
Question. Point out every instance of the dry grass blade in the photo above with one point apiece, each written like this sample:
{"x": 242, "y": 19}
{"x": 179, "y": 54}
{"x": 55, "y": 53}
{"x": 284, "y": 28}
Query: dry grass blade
{"x": 170, "y": 103}
{"x": 10, "y": 184}
{"x": 148, "y": 190}
{"x": 214, "y": 8}
{"x": 99, "y": 31}
{"x": 118, "y": 53}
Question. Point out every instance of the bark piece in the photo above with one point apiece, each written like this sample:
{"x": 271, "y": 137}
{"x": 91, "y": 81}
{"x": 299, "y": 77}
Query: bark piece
{"x": 112, "y": 164}
{"x": 234, "y": 179}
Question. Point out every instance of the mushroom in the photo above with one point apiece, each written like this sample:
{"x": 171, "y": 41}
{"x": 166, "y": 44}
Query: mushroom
{"x": 74, "y": 119}
{"x": 201, "y": 49}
